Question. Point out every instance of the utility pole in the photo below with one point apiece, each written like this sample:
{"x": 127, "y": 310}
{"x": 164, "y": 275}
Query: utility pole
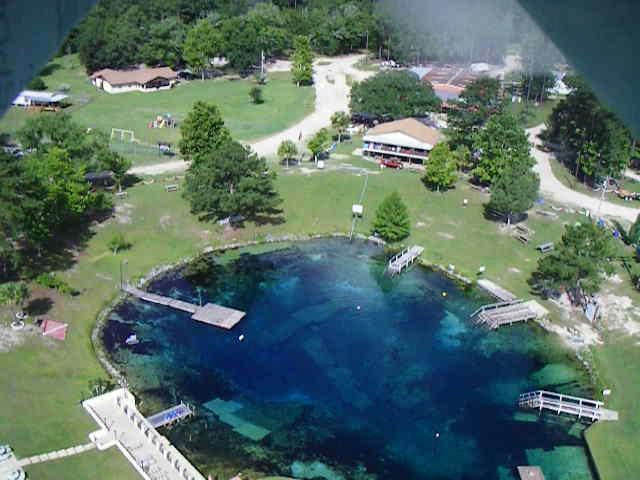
{"x": 262, "y": 63}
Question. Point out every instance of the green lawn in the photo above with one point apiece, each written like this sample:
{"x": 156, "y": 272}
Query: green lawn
{"x": 531, "y": 115}
{"x": 614, "y": 445}
{"x": 284, "y": 104}
{"x": 42, "y": 383}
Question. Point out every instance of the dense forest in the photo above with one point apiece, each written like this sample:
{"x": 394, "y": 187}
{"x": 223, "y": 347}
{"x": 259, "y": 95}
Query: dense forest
{"x": 124, "y": 33}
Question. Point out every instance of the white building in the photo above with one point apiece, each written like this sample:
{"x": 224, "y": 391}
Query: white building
{"x": 32, "y": 98}
{"x": 405, "y": 140}
{"x": 141, "y": 80}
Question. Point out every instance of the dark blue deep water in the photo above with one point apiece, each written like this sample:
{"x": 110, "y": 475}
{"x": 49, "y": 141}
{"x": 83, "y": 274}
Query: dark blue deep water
{"x": 344, "y": 373}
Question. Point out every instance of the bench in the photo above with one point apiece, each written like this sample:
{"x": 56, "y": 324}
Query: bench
{"x": 545, "y": 247}
{"x": 171, "y": 188}
{"x": 121, "y": 194}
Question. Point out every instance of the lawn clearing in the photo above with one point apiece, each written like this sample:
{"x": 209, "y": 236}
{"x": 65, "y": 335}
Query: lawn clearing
{"x": 531, "y": 115}
{"x": 284, "y": 104}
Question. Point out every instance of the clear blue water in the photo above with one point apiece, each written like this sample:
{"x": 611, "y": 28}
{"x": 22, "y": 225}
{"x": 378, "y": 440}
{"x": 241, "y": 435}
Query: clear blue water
{"x": 345, "y": 373}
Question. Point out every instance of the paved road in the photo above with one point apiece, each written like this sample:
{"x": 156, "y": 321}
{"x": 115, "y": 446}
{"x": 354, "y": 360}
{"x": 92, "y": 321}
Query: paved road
{"x": 332, "y": 95}
{"x": 553, "y": 189}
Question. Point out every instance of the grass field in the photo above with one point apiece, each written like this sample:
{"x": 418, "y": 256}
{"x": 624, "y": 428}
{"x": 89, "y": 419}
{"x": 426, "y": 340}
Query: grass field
{"x": 531, "y": 115}
{"x": 284, "y": 104}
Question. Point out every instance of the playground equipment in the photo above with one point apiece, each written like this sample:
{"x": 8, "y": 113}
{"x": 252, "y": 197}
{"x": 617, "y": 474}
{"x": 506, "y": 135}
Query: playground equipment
{"x": 164, "y": 121}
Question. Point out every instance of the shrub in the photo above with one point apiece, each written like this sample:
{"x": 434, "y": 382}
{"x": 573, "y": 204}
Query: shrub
{"x": 256, "y": 95}
{"x": 392, "y": 219}
{"x": 118, "y": 242}
{"x": 51, "y": 280}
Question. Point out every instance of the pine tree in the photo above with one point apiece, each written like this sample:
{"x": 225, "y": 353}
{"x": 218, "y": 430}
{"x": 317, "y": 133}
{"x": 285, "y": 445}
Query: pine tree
{"x": 392, "y": 219}
{"x": 302, "y": 57}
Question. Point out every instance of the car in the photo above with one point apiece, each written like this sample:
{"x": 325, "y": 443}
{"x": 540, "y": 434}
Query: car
{"x": 391, "y": 163}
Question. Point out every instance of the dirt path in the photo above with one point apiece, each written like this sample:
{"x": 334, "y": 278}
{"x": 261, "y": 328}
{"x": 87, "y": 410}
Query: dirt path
{"x": 332, "y": 95}
{"x": 553, "y": 189}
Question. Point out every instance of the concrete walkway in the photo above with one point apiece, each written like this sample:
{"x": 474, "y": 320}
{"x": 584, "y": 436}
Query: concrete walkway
{"x": 332, "y": 95}
{"x": 554, "y": 190}
{"x": 66, "y": 452}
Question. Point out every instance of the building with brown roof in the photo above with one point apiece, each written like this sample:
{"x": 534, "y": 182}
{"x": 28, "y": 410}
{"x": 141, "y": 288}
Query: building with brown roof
{"x": 142, "y": 79}
{"x": 407, "y": 140}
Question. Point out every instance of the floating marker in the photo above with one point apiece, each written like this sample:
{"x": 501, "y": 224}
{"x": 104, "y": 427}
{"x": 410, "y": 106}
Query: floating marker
{"x": 437, "y": 434}
{"x": 444, "y": 294}
{"x": 241, "y": 337}
{"x": 358, "y": 307}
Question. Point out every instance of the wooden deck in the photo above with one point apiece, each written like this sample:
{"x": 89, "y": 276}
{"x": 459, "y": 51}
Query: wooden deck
{"x": 503, "y": 313}
{"x": 403, "y": 259}
{"x": 530, "y": 473}
{"x": 210, "y": 313}
{"x": 560, "y": 403}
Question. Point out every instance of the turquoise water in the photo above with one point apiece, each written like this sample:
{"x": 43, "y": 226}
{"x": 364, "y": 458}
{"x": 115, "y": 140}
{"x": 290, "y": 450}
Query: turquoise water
{"x": 344, "y": 373}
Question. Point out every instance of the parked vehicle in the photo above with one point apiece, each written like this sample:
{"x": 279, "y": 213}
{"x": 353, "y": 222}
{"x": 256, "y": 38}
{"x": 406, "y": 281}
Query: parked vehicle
{"x": 391, "y": 163}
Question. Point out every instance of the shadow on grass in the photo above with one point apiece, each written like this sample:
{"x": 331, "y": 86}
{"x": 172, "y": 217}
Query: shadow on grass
{"x": 50, "y": 68}
{"x": 39, "y": 306}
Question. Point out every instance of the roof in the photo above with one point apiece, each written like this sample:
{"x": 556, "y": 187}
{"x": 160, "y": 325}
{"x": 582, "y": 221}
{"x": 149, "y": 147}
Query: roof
{"x": 55, "y": 329}
{"x": 46, "y": 97}
{"x": 411, "y": 127}
{"x": 141, "y": 75}
{"x": 445, "y": 91}
{"x": 93, "y": 176}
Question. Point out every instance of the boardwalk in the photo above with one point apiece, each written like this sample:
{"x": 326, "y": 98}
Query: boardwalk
{"x": 403, "y": 259}
{"x": 170, "y": 415}
{"x": 66, "y": 452}
{"x": 503, "y": 313}
{"x": 210, "y": 313}
{"x": 122, "y": 425}
{"x": 560, "y": 403}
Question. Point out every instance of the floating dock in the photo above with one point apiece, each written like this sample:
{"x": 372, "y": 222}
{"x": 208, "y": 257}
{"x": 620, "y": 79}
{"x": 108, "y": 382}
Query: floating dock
{"x": 560, "y": 403}
{"x": 170, "y": 415}
{"x": 403, "y": 259}
{"x": 210, "y": 313}
{"x": 503, "y": 313}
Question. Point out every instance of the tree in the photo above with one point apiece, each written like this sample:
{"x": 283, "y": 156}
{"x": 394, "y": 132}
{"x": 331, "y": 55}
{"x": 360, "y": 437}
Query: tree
{"x": 302, "y": 61}
{"x": 230, "y": 180}
{"x": 395, "y": 93}
{"x": 440, "y": 171}
{"x": 318, "y": 143}
{"x": 202, "y": 43}
{"x": 579, "y": 262}
{"x": 202, "y": 130}
{"x": 392, "y": 219}
{"x": 255, "y": 93}
{"x": 514, "y": 191}
{"x": 478, "y": 101}
{"x": 164, "y": 44}
{"x": 115, "y": 163}
{"x": 287, "y": 150}
{"x": 598, "y": 142}
{"x": 13, "y": 294}
{"x": 634, "y": 232}
{"x": 36, "y": 83}
{"x": 340, "y": 121}
{"x": 118, "y": 242}
{"x": 242, "y": 46}
{"x": 500, "y": 143}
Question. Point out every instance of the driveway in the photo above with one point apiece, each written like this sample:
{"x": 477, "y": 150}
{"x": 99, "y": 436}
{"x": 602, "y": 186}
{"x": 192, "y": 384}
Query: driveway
{"x": 332, "y": 95}
{"x": 554, "y": 190}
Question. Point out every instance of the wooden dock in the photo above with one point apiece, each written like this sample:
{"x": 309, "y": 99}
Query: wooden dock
{"x": 210, "y": 313}
{"x": 560, "y": 403}
{"x": 170, "y": 415}
{"x": 402, "y": 260}
{"x": 503, "y": 313}
{"x": 530, "y": 473}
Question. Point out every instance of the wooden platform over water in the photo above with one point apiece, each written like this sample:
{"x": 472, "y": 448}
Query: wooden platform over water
{"x": 170, "y": 415}
{"x": 503, "y": 313}
{"x": 561, "y": 403}
{"x": 210, "y": 313}
{"x": 403, "y": 259}
{"x": 496, "y": 290}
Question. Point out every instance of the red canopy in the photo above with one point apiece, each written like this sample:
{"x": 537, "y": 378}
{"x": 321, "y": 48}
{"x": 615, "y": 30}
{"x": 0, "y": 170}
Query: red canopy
{"x": 52, "y": 328}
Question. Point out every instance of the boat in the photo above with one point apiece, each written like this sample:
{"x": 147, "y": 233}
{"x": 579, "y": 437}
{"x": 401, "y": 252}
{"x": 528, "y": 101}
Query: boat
{"x": 132, "y": 340}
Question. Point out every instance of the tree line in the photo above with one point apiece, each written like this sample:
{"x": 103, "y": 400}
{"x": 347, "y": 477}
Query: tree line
{"x": 44, "y": 195}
